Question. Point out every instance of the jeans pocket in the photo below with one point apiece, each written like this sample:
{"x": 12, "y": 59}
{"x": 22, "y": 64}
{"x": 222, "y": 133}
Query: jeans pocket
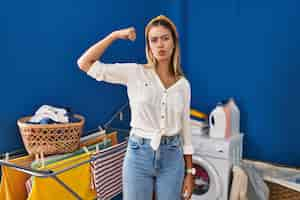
{"x": 132, "y": 144}
{"x": 174, "y": 144}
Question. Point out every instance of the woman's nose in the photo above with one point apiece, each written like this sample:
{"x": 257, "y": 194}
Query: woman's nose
{"x": 160, "y": 43}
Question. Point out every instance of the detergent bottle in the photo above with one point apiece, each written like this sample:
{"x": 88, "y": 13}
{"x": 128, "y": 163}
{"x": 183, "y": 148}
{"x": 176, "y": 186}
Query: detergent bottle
{"x": 228, "y": 129}
{"x": 235, "y": 116}
{"x": 217, "y": 122}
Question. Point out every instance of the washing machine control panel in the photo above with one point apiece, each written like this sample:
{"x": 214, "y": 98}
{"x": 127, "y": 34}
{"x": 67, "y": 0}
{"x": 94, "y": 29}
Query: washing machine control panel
{"x": 213, "y": 149}
{"x": 218, "y": 148}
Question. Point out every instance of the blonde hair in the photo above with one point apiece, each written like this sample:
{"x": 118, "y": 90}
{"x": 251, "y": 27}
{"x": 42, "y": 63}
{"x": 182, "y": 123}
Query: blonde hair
{"x": 162, "y": 20}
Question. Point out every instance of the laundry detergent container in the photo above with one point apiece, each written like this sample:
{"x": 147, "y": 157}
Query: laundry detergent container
{"x": 217, "y": 122}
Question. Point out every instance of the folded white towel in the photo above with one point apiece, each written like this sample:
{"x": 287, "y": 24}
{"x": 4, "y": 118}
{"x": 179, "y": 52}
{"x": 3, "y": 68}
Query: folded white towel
{"x": 54, "y": 113}
{"x": 47, "y": 108}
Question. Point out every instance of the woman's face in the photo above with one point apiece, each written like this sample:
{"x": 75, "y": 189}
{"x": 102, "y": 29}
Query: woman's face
{"x": 161, "y": 43}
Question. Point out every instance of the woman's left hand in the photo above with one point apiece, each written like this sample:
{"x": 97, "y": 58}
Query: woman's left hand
{"x": 188, "y": 185}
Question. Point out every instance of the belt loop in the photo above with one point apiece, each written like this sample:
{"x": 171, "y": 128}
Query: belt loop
{"x": 142, "y": 140}
{"x": 164, "y": 140}
{"x": 168, "y": 139}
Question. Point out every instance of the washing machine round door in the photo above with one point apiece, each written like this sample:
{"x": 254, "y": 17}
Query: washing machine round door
{"x": 208, "y": 183}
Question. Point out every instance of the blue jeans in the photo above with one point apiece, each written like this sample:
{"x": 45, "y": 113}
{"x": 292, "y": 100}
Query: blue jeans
{"x": 145, "y": 170}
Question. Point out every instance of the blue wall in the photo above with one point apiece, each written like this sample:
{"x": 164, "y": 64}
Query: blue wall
{"x": 245, "y": 49}
{"x": 249, "y": 50}
{"x": 41, "y": 41}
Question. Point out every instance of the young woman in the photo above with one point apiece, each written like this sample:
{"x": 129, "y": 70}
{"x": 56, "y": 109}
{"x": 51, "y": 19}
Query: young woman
{"x": 159, "y": 153}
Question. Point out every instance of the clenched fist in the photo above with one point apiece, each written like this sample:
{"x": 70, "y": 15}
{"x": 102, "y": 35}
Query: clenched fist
{"x": 126, "y": 34}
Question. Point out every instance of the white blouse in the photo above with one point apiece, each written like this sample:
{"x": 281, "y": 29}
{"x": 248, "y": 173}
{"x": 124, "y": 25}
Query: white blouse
{"x": 155, "y": 110}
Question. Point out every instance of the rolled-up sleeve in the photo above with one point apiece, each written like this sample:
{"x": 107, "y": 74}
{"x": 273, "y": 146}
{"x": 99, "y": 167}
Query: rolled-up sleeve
{"x": 117, "y": 73}
{"x": 186, "y": 126}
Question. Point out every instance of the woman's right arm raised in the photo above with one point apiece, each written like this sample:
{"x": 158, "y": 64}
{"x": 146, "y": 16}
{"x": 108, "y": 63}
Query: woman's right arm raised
{"x": 96, "y": 51}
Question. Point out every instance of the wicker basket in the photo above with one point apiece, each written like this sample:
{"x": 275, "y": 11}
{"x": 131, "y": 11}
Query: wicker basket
{"x": 51, "y": 138}
{"x": 279, "y": 192}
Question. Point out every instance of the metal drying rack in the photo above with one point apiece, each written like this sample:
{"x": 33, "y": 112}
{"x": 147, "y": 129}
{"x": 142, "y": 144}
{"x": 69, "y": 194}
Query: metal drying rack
{"x": 115, "y": 123}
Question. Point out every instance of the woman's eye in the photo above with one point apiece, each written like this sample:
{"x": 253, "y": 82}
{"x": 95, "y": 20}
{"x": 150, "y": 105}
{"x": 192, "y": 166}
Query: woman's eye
{"x": 166, "y": 38}
{"x": 153, "y": 40}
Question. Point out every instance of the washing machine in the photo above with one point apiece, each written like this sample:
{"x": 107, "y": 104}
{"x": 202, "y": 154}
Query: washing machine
{"x": 213, "y": 160}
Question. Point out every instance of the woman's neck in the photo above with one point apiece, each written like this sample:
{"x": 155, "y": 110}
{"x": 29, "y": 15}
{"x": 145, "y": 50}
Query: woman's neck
{"x": 163, "y": 69}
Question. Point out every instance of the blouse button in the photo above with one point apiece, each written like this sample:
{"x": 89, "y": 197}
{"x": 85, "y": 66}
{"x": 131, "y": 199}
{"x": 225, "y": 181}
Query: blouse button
{"x": 162, "y": 117}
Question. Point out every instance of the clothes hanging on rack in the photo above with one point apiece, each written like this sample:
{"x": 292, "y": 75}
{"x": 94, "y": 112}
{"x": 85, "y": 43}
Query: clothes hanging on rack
{"x": 47, "y": 188}
{"x": 13, "y": 182}
{"x": 98, "y": 137}
{"x": 77, "y": 178}
{"x": 102, "y": 141}
{"x": 107, "y": 170}
{"x": 56, "y": 158}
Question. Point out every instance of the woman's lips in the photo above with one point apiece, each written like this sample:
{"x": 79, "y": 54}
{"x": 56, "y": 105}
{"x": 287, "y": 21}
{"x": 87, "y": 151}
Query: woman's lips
{"x": 162, "y": 52}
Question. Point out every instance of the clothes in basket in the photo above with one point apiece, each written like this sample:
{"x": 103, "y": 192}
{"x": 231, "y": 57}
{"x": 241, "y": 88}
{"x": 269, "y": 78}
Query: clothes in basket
{"x": 107, "y": 171}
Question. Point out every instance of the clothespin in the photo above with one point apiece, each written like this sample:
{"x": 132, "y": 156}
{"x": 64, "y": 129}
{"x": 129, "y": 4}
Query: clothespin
{"x": 97, "y": 148}
{"x": 105, "y": 141}
{"x": 86, "y": 150}
{"x": 6, "y": 156}
{"x": 37, "y": 159}
{"x": 42, "y": 159}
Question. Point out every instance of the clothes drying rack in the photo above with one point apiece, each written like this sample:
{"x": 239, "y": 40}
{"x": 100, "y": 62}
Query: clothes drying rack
{"x": 115, "y": 123}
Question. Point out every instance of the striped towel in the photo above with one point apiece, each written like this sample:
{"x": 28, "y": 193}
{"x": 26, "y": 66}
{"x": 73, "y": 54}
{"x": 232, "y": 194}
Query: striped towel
{"x": 107, "y": 171}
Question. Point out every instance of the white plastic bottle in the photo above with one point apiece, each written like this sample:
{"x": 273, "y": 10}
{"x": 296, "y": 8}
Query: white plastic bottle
{"x": 217, "y": 122}
{"x": 228, "y": 130}
{"x": 235, "y": 117}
